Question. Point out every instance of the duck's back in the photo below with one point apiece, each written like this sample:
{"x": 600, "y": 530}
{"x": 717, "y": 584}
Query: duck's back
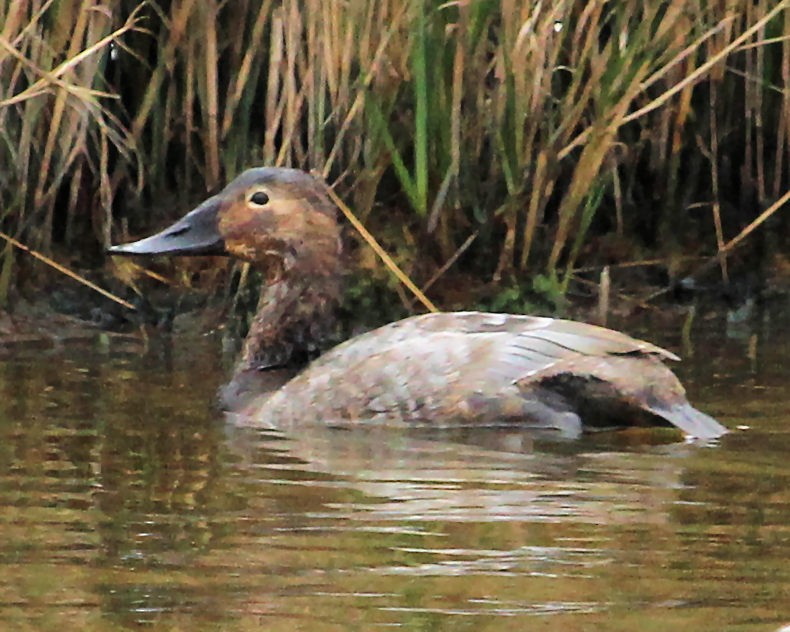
{"x": 474, "y": 368}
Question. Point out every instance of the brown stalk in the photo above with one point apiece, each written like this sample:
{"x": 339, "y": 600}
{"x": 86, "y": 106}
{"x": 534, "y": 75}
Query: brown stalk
{"x": 329, "y": 17}
{"x": 580, "y": 93}
{"x": 15, "y": 17}
{"x": 274, "y": 105}
{"x": 371, "y": 241}
{"x": 536, "y": 204}
{"x": 105, "y": 191}
{"x": 291, "y": 144}
{"x": 252, "y": 51}
{"x": 359, "y": 100}
{"x": 733, "y": 243}
{"x": 450, "y": 262}
{"x": 618, "y": 196}
{"x": 66, "y": 271}
{"x": 189, "y": 99}
{"x": 663, "y": 261}
{"x": 784, "y": 116}
{"x": 589, "y": 165}
{"x": 714, "y": 176}
{"x": 755, "y": 223}
{"x": 56, "y": 134}
{"x": 211, "y": 144}
{"x": 749, "y": 89}
{"x": 176, "y": 32}
{"x": 758, "y": 119}
{"x": 46, "y": 82}
{"x": 53, "y": 76}
{"x": 346, "y": 64}
{"x": 604, "y": 291}
{"x": 692, "y": 78}
{"x": 293, "y": 96}
{"x": 313, "y": 87}
{"x": 710, "y": 63}
{"x": 641, "y": 303}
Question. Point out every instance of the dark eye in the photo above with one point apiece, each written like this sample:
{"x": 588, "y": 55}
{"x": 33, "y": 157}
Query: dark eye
{"x": 259, "y": 198}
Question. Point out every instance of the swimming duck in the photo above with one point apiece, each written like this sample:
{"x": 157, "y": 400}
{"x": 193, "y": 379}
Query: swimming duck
{"x": 453, "y": 368}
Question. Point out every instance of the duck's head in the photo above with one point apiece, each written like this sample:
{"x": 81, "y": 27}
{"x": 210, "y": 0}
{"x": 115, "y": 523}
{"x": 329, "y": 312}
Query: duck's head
{"x": 279, "y": 219}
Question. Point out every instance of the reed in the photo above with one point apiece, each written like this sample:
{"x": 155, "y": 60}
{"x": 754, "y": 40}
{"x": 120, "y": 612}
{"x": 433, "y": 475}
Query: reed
{"x": 533, "y": 125}
{"x": 56, "y": 120}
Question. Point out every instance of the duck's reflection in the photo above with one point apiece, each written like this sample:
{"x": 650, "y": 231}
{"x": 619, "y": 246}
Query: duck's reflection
{"x": 157, "y": 509}
{"x": 467, "y": 475}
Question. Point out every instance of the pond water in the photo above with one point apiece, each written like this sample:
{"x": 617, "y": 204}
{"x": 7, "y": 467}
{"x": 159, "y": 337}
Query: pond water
{"x": 127, "y": 501}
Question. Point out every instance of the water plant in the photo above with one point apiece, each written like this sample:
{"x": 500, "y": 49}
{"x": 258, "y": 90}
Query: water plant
{"x": 529, "y": 127}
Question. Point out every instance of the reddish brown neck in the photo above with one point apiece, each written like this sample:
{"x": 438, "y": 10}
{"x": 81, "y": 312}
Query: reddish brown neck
{"x": 296, "y": 315}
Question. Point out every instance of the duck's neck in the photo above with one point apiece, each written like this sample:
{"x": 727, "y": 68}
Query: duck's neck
{"x": 296, "y": 315}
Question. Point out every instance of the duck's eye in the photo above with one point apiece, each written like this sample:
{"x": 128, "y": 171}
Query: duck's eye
{"x": 259, "y": 198}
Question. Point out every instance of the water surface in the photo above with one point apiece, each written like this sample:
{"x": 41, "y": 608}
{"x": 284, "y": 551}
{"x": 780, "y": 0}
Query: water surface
{"x": 127, "y": 501}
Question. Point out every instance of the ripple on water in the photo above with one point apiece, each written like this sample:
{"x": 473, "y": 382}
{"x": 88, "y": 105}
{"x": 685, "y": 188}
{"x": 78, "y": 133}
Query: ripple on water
{"x": 126, "y": 501}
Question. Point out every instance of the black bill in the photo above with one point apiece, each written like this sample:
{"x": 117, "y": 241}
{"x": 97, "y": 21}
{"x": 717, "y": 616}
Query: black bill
{"x": 197, "y": 233}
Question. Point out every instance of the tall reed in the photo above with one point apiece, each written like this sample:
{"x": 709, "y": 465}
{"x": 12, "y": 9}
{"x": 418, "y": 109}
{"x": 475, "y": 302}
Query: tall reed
{"x": 55, "y": 121}
{"x": 531, "y": 123}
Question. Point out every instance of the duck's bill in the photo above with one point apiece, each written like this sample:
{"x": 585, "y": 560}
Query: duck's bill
{"x": 197, "y": 233}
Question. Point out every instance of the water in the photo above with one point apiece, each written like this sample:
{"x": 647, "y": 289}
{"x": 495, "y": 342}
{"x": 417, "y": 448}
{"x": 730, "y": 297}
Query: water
{"x": 126, "y": 501}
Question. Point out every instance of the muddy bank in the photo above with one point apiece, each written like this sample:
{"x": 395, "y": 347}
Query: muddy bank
{"x": 176, "y": 299}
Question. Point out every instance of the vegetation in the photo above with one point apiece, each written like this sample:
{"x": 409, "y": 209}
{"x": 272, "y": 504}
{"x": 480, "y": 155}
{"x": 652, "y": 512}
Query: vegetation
{"x": 536, "y": 136}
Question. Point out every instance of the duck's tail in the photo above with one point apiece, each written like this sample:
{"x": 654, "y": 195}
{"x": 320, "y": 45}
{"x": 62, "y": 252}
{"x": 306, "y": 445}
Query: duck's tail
{"x": 691, "y": 421}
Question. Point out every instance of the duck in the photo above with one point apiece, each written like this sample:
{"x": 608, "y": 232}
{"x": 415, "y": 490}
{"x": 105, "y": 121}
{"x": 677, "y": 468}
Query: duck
{"x": 463, "y": 368}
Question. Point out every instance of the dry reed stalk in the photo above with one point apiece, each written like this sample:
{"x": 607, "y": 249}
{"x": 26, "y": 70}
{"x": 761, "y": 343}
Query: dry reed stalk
{"x": 274, "y": 105}
{"x": 714, "y": 177}
{"x": 369, "y": 76}
{"x": 749, "y": 90}
{"x": 66, "y": 136}
{"x": 661, "y": 73}
{"x": 175, "y": 34}
{"x": 731, "y": 244}
{"x": 52, "y": 78}
{"x": 754, "y": 224}
{"x": 536, "y": 53}
{"x": 371, "y": 241}
{"x": 783, "y": 135}
{"x": 190, "y": 82}
{"x": 211, "y": 96}
{"x": 758, "y": 115}
{"x": 58, "y": 108}
{"x": 55, "y": 133}
{"x": 705, "y": 67}
{"x": 604, "y": 291}
{"x": 449, "y": 263}
{"x": 66, "y": 271}
{"x": 242, "y": 79}
{"x": 590, "y": 161}
{"x": 291, "y": 94}
{"x": 315, "y": 83}
{"x": 475, "y": 106}
{"x": 541, "y": 190}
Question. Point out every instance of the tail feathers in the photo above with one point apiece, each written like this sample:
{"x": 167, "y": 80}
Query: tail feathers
{"x": 691, "y": 421}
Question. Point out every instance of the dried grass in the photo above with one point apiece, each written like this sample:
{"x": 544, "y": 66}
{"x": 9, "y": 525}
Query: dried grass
{"x": 522, "y": 121}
